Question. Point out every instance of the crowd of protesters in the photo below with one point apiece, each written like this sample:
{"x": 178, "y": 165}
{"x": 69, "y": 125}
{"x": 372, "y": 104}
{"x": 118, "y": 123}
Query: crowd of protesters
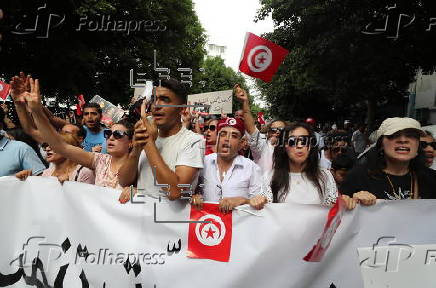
{"x": 230, "y": 160}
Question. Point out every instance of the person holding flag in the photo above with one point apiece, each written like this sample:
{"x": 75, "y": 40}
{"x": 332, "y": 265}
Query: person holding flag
{"x": 230, "y": 178}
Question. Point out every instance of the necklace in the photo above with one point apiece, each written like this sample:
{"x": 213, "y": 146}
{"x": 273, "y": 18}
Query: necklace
{"x": 399, "y": 195}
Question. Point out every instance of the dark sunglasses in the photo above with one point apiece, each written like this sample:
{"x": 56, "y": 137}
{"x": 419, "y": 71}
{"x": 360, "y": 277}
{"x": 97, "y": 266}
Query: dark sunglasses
{"x": 339, "y": 149}
{"x": 274, "y": 130}
{"x": 407, "y": 134}
{"x": 44, "y": 145}
{"x": 118, "y": 134}
{"x": 302, "y": 140}
{"x": 209, "y": 127}
{"x": 424, "y": 144}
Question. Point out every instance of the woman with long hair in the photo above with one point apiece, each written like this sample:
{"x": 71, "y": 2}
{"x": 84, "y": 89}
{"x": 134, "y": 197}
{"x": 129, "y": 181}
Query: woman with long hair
{"x": 64, "y": 169}
{"x": 296, "y": 175}
{"x": 395, "y": 167}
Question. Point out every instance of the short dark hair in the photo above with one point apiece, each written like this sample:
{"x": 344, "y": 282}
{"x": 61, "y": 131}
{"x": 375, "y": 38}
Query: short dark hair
{"x": 176, "y": 86}
{"x": 342, "y": 162}
{"x": 129, "y": 125}
{"x": 81, "y": 132}
{"x": 93, "y": 105}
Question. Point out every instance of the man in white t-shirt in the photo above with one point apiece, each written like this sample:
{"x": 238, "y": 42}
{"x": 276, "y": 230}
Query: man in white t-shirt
{"x": 164, "y": 145}
{"x": 262, "y": 147}
{"x": 229, "y": 178}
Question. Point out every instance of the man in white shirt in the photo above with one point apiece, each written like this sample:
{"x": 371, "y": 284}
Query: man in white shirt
{"x": 164, "y": 145}
{"x": 262, "y": 147}
{"x": 230, "y": 178}
{"x": 359, "y": 140}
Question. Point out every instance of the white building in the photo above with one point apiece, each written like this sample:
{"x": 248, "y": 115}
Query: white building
{"x": 422, "y": 100}
{"x": 216, "y": 50}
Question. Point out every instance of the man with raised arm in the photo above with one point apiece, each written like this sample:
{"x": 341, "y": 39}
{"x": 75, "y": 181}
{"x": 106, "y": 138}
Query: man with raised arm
{"x": 261, "y": 146}
{"x": 164, "y": 145}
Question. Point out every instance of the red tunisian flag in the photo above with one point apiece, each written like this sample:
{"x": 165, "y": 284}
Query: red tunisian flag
{"x": 4, "y": 90}
{"x": 261, "y": 58}
{"x": 211, "y": 240}
{"x": 80, "y": 105}
{"x": 260, "y": 118}
{"x": 333, "y": 222}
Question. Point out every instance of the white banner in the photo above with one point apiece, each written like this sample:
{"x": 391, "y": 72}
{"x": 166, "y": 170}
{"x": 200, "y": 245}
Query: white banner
{"x": 219, "y": 101}
{"x": 392, "y": 244}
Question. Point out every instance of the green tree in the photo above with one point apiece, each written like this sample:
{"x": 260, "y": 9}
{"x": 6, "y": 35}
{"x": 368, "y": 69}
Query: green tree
{"x": 70, "y": 62}
{"x": 337, "y": 61}
{"x": 217, "y": 77}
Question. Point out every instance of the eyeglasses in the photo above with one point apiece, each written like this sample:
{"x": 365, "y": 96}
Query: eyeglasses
{"x": 118, "y": 134}
{"x": 274, "y": 130}
{"x": 303, "y": 140}
{"x": 424, "y": 144}
{"x": 339, "y": 149}
{"x": 407, "y": 134}
{"x": 209, "y": 127}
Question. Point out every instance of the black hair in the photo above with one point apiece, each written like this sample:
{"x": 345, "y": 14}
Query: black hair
{"x": 130, "y": 127}
{"x": 176, "y": 86}
{"x": 376, "y": 160}
{"x": 93, "y": 105}
{"x": 332, "y": 138}
{"x": 81, "y": 132}
{"x": 342, "y": 162}
{"x": 20, "y": 135}
{"x": 281, "y": 167}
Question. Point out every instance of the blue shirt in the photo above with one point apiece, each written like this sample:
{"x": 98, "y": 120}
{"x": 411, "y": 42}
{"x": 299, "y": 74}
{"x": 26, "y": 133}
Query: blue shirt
{"x": 16, "y": 156}
{"x": 93, "y": 139}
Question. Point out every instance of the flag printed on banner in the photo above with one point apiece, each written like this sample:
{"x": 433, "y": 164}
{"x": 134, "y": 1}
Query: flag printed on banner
{"x": 261, "y": 58}
{"x": 4, "y": 90}
{"x": 333, "y": 222}
{"x": 211, "y": 240}
{"x": 260, "y": 118}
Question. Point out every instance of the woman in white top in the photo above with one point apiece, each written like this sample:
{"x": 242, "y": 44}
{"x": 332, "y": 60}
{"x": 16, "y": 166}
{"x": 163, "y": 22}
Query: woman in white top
{"x": 296, "y": 176}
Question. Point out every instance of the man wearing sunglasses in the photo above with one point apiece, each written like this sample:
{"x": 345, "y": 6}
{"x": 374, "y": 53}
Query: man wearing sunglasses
{"x": 261, "y": 147}
{"x": 164, "y": 151}
{"x": 337, "y": 144}
{"x": 428, "y": 145}
{"x": 230, "y": 178}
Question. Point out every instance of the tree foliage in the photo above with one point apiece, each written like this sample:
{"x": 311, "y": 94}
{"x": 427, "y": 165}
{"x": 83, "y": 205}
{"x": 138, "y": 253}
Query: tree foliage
{"x": 217, "y": 77}
{"x": 338, "y": 64}
{"x": 91, "y": 62}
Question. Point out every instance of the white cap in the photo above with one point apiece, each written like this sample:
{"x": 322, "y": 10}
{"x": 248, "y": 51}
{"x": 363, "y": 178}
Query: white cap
{"x": 392, "y": 125}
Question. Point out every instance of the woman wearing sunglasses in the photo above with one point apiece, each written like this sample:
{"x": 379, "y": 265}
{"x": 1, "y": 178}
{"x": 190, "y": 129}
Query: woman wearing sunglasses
{"x": 210, "y": 133}
{"x": 105, "y": 166}
{"x": 64, "y": 169}
{"x": 395, "y": 168}
{"x": 296, "y": 175}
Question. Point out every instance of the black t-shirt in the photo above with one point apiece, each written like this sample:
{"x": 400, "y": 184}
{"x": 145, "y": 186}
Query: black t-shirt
{"x": 388, "y": 186}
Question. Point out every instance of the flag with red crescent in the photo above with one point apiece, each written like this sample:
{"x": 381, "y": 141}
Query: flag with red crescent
{"x": 210, "y": 237}
{"x": 261, "y": 58}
